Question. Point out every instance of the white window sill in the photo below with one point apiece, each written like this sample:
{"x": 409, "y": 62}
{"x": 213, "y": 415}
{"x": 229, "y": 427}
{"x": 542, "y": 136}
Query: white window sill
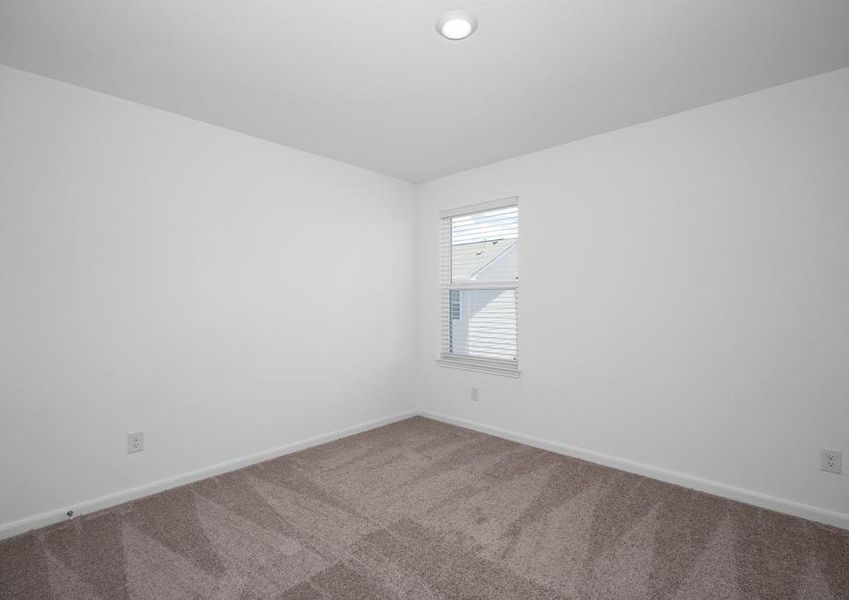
{"x": 480, "y": 366}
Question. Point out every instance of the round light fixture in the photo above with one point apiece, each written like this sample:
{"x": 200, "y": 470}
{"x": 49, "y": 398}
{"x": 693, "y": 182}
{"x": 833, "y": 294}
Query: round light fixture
{"x": 457, "y": 24}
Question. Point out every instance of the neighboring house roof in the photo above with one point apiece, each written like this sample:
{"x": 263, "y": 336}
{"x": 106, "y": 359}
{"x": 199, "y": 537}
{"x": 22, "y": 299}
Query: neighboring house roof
{"x": 467, "y": 260}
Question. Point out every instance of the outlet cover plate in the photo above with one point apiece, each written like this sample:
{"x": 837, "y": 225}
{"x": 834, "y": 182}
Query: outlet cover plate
{"x": 831, "y": 461}
{"x": 135, "y": 442}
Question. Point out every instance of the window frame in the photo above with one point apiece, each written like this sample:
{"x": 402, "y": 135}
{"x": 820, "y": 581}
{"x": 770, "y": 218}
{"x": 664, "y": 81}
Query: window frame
{"x": 503, "y": 367}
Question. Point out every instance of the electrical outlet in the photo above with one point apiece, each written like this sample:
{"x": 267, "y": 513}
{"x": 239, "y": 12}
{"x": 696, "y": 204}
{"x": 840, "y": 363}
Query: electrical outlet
{"x": 831, "y": 461}
{"x": 475, "y": 395}
{"x": 135, "y": 442}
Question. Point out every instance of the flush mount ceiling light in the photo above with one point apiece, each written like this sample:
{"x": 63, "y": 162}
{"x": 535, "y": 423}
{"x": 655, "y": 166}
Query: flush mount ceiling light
{"x": 457, "y": 24}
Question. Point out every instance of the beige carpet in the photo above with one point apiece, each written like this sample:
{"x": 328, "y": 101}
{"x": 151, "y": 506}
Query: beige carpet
{"x": 420, "y": 509}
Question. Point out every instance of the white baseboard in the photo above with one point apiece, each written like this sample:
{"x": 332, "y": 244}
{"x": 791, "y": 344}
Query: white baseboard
{"x": 731, "y": 492}
{"x": 60, "y": 514}
{"x": 790, "y": 507}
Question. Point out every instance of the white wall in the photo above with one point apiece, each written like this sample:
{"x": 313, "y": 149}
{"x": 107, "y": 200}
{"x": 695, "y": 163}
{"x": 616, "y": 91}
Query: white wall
{"x": 685, "y": 286}
{"x": 684, "y": 293}
{"x": 224, "y": 294}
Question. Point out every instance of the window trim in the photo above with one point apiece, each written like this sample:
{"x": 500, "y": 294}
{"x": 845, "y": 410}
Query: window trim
{"x": 469, "y": 363}
{"x": 481, "y": 365}
{"x": 479, "y": 207}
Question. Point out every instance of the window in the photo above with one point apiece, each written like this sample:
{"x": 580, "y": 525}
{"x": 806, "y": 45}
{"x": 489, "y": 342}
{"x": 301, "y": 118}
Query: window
{"x": 455, "y": 305}
{"x": 480, "y": 287}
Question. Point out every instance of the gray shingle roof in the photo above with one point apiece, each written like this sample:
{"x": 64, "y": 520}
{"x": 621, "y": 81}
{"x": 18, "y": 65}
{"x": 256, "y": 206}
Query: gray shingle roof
{"x": 468, "y": 259}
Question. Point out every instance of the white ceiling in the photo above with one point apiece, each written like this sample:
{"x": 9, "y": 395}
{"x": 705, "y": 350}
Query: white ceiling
{"x": 371, "y": 83}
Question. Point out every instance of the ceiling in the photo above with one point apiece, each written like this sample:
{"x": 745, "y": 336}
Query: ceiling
{"x": 371, "y": 83}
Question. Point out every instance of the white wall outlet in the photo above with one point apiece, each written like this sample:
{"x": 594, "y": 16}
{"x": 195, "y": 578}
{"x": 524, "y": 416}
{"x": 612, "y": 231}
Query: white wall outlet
{"x": 475, "y": 397}
{"x": 135, "y": 442}
{"x": 831, "y": 461}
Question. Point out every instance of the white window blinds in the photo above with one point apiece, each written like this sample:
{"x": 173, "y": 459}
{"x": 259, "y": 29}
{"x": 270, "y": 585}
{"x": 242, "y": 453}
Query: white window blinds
{"x": 480, "y": 287}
